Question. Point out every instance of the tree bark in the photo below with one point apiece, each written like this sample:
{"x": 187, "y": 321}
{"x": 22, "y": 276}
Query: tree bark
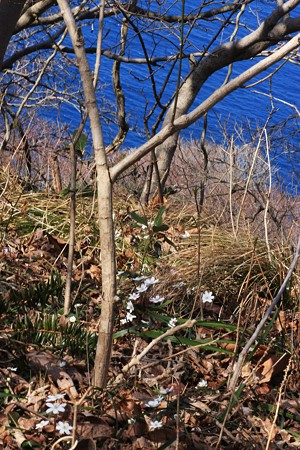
{"x": 268, "y": 33}
{"x": 10, "y": 11}
{"x": 105, "y": 203}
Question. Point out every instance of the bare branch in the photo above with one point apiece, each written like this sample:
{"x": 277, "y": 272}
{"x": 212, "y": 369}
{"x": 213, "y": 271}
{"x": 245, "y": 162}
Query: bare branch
{"x": 185, "y": 121}
{"x": 170, "y": 332}
{"x": 31, "y": 13}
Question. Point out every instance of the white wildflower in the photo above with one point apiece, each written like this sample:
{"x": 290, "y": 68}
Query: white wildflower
{"x": 42, "y": 424}
{"x": 53, "y": 398}
{"x": 130, "y": 306}
{"x": 151, "y": 281}
{"x": 64, "y": 427}
{"x": 55, "y": 408}
{"x": 134, "y": 296}
{"x": 185, "y": 235}
{"x": 207, "y": 297}
{"x": 62, "y": 364}
{"x": 157, "y": 299}
{"x": 142, "y": 288}
{"x": 155, "y": 424}
{"x": 141, "y": 278}
{"x": 77, "y": 305}
{"x": 172, "y": 322}
{"x": 129, "y": 318}
{"x": 12, "y": 369}
{"x": 202, "y": 384}
{"x": 72, "y": 319}
{"x": 155, "y": 403}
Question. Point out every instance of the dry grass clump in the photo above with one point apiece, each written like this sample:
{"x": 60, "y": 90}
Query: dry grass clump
{"x": 233, "y": 269}
{"x": 23, "y": 211}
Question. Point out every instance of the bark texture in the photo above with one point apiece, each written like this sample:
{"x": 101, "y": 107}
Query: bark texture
{"x": 105, "y": 204}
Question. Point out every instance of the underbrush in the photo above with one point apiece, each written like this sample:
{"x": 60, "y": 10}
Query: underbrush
{"x": 193, "y": 283}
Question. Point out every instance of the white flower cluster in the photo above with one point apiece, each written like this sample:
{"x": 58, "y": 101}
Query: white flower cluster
{"x": 55, "y": 408}
{"x": 146, "y": 283}
{"x": 155, "y": 424}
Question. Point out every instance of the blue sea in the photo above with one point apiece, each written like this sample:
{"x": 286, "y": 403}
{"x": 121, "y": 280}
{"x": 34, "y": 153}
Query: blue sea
{"x": 244, "y": 109}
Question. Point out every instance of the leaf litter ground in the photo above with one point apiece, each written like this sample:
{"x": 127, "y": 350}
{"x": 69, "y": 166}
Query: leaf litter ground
{"x": 176, "y": 395}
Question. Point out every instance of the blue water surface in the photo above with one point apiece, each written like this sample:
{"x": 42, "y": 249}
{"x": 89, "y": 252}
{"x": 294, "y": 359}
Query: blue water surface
{"x": 245, "y": 106}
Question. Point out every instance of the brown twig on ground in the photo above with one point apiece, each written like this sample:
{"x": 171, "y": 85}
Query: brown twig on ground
{"x": 136, "y": 359}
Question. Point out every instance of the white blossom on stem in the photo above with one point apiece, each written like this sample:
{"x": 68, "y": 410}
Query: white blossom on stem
{"x": 64, "y": 427}
{"x": 202, "y": 384}
{"x": 42, "y": 424}
{"x": 157, "y": 299}
{"x": 142, "y": 288}
{"x": 155, "y": 403}
{"x": 55, "y": 408}
{"x": 130, "y": 307}
{"x": 53, "y": 398}
{"x": 154, "y": 424}
{"x": 207, "y": 297}
{"x": 134, "y": 296}
{"x": 151, "y": 281}
{"x": 172, "y": 322}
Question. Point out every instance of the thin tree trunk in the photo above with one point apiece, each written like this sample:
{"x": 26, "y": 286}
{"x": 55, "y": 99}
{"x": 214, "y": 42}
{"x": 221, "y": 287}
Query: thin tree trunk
{"x": 72, "y": 235}
{"x": 105, "y": 211}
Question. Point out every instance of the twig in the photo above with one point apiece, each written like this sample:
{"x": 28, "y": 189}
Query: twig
{"x": 192, "y": 347}
{"x": 136, "y": 359}
{"x": 237, "y": 370}
{"x": 25, "y": 408}
{"x": 64, "y": 438}
{"x": 278, "y": 402}
{"x": 75, "y": 413}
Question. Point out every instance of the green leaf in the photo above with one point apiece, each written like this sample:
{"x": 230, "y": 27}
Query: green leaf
{"x": 162, "y": 227}
{"x": 122, "y": 333}
{"x": 166, "y": 239}
{"x": 140, "y": 219}
{"x": 159, "y": 217}
{"x": 82, "y": 141}
{"x": 30, "y": 444}
{"x": 205, "y": 343}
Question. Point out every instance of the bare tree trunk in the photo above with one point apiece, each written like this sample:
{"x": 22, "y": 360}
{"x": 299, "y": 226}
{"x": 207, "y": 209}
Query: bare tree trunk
{"x": 56, "y": 175}
{"x": 104, "y": 187}
{"x": 72, "y": 232}
{"x": 10, "y": 12}
{"x": 269, "y": 32}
